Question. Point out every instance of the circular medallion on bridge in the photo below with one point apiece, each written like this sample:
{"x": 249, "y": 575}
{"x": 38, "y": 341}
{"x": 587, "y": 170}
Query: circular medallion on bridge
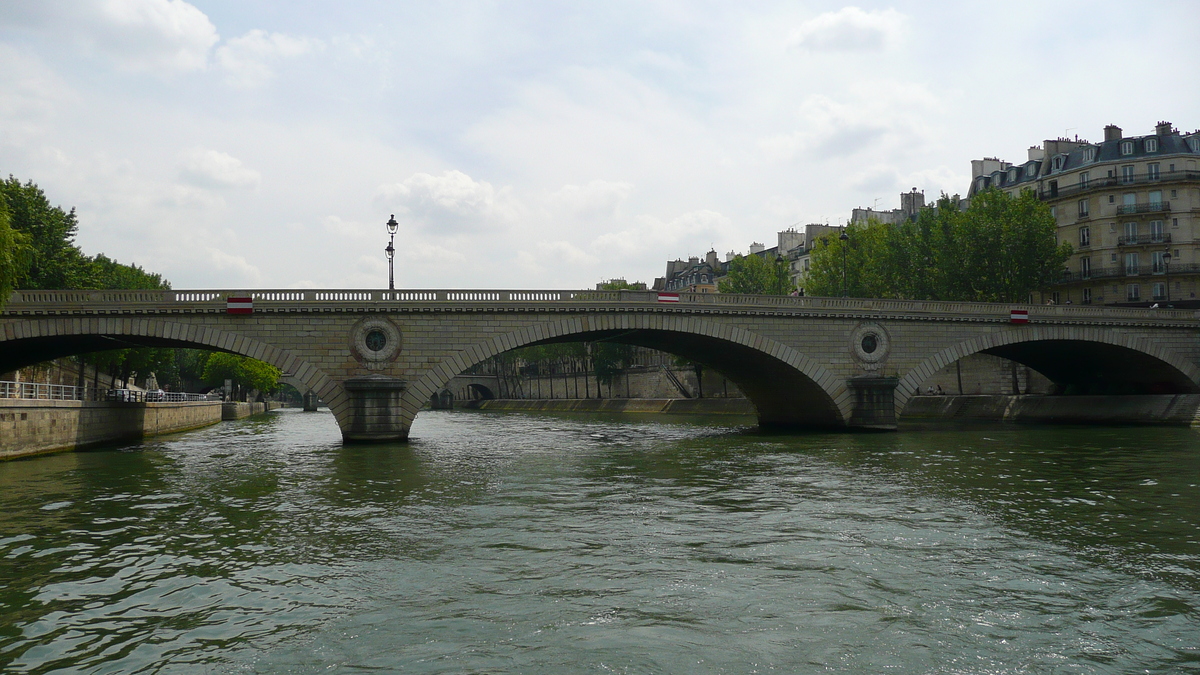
{"x": 870, "y": 345}
{"x": 375, "y": 342}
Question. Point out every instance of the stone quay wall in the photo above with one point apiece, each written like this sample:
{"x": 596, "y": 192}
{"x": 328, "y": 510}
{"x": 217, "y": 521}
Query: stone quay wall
{"x": 1163, "y": 409}
{"x": 30, "y": 427}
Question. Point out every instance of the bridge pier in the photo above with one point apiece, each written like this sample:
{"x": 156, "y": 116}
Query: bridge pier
{"x": 874, "y": 405}
{"x": 376, "y": 415}
{"x": 310, "y": 401}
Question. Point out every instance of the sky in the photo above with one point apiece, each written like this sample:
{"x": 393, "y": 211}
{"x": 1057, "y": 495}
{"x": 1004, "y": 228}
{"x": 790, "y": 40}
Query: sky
{"x": 234, "y": 144}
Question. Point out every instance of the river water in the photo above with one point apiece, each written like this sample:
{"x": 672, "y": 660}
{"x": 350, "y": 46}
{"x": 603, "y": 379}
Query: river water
{"x": 515, "y": 543}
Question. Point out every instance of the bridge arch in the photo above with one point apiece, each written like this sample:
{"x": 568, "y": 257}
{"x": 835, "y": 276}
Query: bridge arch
{"x": 786, "y": 387}
{"x": 45, "y": 339}
{"x": 1069, "y": 355}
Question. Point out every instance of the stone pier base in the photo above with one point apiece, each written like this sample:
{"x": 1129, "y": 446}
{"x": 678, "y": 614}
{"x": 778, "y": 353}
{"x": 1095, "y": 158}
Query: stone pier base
{"x": 874, "y": 403}
{"x": 376, "y": 415}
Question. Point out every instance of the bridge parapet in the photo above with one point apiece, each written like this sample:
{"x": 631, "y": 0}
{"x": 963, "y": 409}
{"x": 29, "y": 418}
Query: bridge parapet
{"x": 24, "y": 302}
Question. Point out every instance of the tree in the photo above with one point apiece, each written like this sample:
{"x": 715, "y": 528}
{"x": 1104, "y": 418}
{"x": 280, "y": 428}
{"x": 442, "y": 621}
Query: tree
{"x": 55, "y": 261}
{"x": 245, "y": 372}
{"x": 757, "y": 275}
{"x": 999, "y": 250}
{"x": 16, "y": 255}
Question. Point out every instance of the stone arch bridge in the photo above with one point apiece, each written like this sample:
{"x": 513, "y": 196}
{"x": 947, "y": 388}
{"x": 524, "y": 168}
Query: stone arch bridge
{"x": 376, "y": 357}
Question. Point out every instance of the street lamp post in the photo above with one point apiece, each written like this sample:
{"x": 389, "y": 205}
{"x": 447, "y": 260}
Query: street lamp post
{"x": 391, "y": 250}
{"x": 1167, "y": 272}
{"x": 844, "y": 238}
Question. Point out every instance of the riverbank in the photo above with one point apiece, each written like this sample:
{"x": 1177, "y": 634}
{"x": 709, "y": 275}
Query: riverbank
{"x": 678, "y": 406}
{"x": 33, "y": 427}
{"x": 1157, "y": 409}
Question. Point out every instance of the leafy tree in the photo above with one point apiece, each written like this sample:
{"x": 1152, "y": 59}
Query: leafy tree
{"x": 16, "y": 255}
{"x": 758, "y": 275}
{"x": 109, "y": 274}
{"x": 55, "y": 261}
{"x": 246, "y": 373}
{"x": 621, "y": 285}
{"x": 999, "y": 250}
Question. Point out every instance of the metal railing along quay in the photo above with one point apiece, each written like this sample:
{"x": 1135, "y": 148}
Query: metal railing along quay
{"x": 64, "y": 392}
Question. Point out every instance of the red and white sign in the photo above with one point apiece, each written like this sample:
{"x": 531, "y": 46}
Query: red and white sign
{"x": 668, "y": 297}
{"x": 239, "y": 305}
{"x": 1018, "y": 316}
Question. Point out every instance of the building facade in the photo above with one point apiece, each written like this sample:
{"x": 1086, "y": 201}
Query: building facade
{"x": 1129, "y": 207}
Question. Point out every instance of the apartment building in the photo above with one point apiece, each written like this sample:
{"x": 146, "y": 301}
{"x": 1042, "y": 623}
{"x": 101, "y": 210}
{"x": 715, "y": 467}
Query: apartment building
{"x": 1130, "y": 208}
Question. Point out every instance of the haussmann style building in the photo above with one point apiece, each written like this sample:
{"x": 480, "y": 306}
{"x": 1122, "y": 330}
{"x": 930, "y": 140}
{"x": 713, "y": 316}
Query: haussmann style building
{"x": 1129, "y": 206}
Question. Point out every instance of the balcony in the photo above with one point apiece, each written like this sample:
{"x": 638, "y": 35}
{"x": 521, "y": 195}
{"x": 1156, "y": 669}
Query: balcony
{"x": 1069, "y": 277}
{"x": 1118, "y": 181}
{"x": 1149, "y": 207}
{"x": 1144, "y": 239}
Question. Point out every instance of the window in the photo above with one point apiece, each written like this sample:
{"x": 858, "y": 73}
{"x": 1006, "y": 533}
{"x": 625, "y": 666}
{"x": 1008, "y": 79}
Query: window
{"x": 1127, "y": 147}
{"x": 1110, "y": 199}
{"x": 1083, "y": 180}
{"x": 1058, "y": 163}
{"x": 1157, "y": 265}
{"x": 1129, "y": 202}
{"x": 1013, "y": 174}
{"x": 1053, "y": 189}
{"x": 1160, "y": 290}
{"x": 1085, "y": 236}
{"x": 1152, "y": 171}
{"x": 1085, "y": 268}
{"x": 1151, "y": 145}
{"x": 1156, "y": 232}
{"x": 1174, "y": 194}
{"x": 1155, "y": 199}
{"x": 1133, "y": 292}
{"x": 1083, "y": 208}
{"x": 1174, "y": 222}
{"x": 1127, "y": 173}
{"x": 1053, "y": 211}
{"x": 1054, "y": 298}
{"x": 1194, "y": 143}
{"x": 1089, "y": 154}
{"x": 1131, "y": 264}
{"x": 1031, "y": 170}
{"x": 1087, "y": 296}
{"x": 1131, "y": 233}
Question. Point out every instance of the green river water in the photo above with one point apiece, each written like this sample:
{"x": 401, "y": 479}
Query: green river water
{"x": 515, "y": 543}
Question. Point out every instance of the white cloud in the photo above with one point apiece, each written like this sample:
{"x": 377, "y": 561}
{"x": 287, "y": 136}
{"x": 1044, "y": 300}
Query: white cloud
{"x": 214, "y": 169}
{"x": 658, "y": 238}
{"x": 451, "y": 203}
{"x": 597, "y": 199}
{"x": 850, "y": 29}
{"x": 248, "y": 60}
{"x": 164, "y": 36}
{"x": 551, "y": 255}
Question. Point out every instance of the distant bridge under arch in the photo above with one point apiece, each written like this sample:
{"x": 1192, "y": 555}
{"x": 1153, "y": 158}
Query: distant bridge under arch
{"x": 377, "y": 357}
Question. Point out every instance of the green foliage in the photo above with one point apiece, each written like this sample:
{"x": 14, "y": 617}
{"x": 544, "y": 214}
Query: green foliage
{"x": 56, "y": 262}
{"x": 999, "y": 250}
{"x": 244, "y": 371}
{"x": 619, "y": 285}
{"x": 757, "y": 275}
{"x": 110, "y": 274}
{"x": 16, "y": 255}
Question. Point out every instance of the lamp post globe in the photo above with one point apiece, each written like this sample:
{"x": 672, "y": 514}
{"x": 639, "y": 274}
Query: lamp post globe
{"x": 844, "y": 239}
{"x": 1167, "y": 272}
{"x": 391, "y": 250}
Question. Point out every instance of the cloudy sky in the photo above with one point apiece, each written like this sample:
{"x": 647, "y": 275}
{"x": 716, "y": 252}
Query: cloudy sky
{"x": 241, "y": 144}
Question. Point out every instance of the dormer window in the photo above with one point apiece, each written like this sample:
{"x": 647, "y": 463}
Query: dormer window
{"x": 1194, "y": 143}
{"x": 1151, "y": 145}
{"x": 1058, "y": 163}
{"x": 1126, "y": 147}
{"x": 1012, "y": 175}
{"x": 1031, "y": 170}
{"x": 1089, "y": 154}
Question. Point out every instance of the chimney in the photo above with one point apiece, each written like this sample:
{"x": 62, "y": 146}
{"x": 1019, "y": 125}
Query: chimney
{"x": 1163, "y": 129}
{"x": 1036, "y": 152}
{"x": 711, "y": 259}
{"x": 1112, "y": 132}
